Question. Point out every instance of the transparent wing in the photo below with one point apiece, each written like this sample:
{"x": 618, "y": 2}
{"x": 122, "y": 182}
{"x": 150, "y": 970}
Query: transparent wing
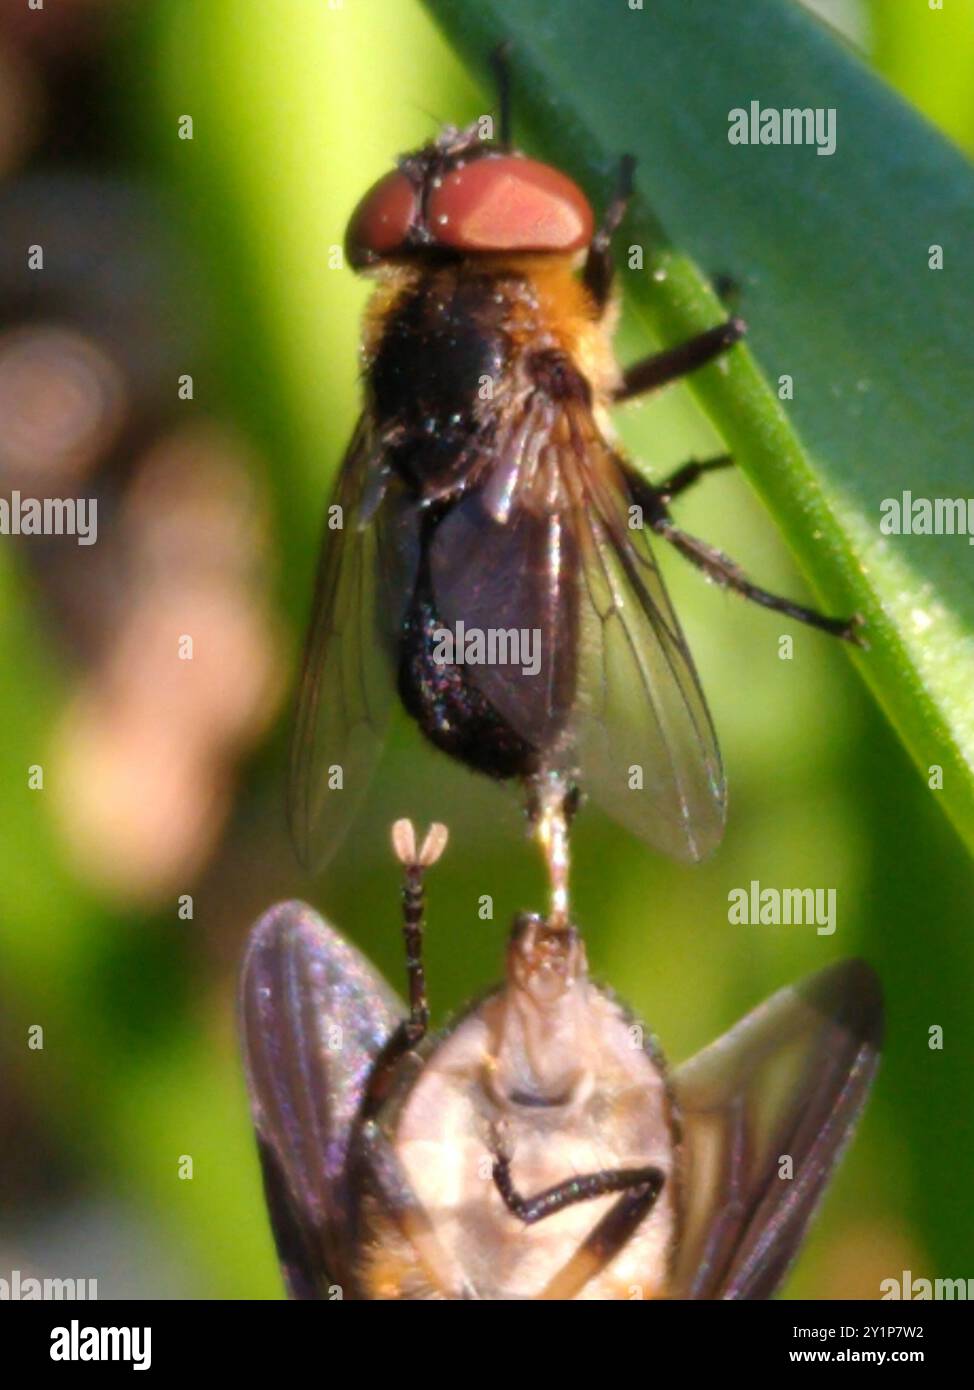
{"x": 645, "y": 739}
{"x": 544, "y": 545}
{"x": 314, "y": 1017}
{"x": 767, "y": 1111}
{"x": 346, "y": 684}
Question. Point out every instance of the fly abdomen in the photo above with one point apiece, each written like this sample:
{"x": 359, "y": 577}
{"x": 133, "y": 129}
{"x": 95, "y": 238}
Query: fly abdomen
{"x": 443, "y": 698}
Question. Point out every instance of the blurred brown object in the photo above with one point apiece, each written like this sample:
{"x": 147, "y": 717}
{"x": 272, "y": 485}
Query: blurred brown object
{"x": 144, "y": 758}
{"x": 165, "y": 623}
{"x": 21, "y": 108}
{"x": 59, "y": 27}
{"x": 62, "y": 402}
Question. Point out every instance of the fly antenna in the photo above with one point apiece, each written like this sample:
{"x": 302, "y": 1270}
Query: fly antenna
{"x": 501, "y": 65}
{"x": 404, "y": 845}
{"x": 415, "y": 862}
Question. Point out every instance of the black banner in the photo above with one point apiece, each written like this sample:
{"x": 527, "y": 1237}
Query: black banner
{"x": 165, "y": 1339}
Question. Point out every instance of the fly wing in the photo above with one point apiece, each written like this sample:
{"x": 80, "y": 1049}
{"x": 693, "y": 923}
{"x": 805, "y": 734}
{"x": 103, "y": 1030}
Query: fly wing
{"x": 314, "y": 1017}
{"x": 346, "y": 685}
{"x": 543, "y": 544}
{"x": 645, "y": 738}
{"x": 787, "y": 1082}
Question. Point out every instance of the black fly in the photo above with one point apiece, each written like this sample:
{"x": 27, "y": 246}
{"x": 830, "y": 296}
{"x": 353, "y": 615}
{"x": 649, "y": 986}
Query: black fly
{"x": 485, "y": 564}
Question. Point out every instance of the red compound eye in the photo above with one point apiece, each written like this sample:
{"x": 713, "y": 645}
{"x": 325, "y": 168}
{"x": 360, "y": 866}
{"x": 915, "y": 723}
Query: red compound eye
{"x": 379, "y": 225}
{"x": 506, "y": 203}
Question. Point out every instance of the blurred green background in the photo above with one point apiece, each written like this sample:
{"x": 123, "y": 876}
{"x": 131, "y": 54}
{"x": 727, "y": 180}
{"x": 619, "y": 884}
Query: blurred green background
{"x": 162, "y": 777}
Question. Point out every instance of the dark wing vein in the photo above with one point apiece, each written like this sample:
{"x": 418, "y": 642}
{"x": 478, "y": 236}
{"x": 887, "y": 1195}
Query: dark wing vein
{"x": 786, "y": 1083}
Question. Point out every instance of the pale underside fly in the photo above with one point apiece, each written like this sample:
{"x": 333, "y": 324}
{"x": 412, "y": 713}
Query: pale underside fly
{"x": 540, "y": 1147}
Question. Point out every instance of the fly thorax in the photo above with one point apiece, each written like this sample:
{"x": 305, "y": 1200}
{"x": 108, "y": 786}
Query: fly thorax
{"x": 433, "y": 373}
{"x": 543, "y": 1047}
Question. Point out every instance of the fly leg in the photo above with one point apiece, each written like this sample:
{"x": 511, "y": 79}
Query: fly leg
{"x": 576, "y": 1189}
{"x": 603, "y": 1243}
{"x": 580, "y": 1188}
{"x": 664, "y": 367}
{"x": 500, "y": 63}
{"x": 639, "y": 1189}
{"x": 688, "y": 474}
{"x": 597, "y": 274}
{"x": 723, "y": 570}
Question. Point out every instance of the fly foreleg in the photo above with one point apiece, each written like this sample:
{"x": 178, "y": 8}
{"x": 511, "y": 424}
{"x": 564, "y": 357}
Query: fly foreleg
{"x": 663, "y": 367}
{"x": 597, "y": 274}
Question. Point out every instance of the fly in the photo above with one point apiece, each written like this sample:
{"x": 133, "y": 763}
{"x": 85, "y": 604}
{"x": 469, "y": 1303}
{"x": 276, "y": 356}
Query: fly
{"x": 539, "y": 1148}
{"x": 484, "y": 506}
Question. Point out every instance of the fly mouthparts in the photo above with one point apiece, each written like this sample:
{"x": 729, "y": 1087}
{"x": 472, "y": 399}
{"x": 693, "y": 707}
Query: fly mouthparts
{"x": 545, "y": 946}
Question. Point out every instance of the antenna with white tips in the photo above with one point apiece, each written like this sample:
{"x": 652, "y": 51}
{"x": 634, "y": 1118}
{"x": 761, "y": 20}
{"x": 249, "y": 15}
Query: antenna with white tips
{"x": 413, "y": 907}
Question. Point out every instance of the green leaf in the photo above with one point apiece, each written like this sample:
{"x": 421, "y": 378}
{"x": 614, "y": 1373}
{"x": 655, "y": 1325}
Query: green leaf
{"x": 832, "y": 253}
